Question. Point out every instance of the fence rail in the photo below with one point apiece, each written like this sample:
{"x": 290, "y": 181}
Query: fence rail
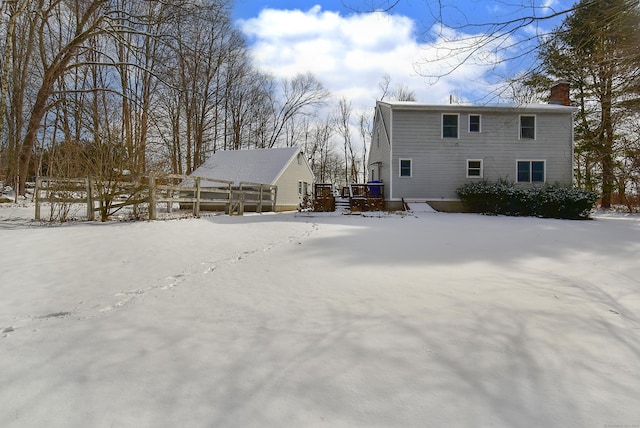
{"x": 150, "y": 190}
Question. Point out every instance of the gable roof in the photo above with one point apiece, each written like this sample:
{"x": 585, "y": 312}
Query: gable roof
{"x": 257, "y": 166}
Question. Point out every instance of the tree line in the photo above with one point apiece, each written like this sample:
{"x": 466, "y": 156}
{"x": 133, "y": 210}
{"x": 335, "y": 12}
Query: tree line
{"x": 106, "y": 88}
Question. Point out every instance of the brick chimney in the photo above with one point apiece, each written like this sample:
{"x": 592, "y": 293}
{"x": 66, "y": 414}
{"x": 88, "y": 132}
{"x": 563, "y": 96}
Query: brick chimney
{"x": 560, "y": 93}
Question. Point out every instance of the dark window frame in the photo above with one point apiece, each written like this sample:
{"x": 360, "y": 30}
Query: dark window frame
{"x": 449, "y": 130}
{"x": 527, "y": 130}
{"x": 472, "y": 123}
{"x": 402, "y": 169}
{"x": 531, "y": 171}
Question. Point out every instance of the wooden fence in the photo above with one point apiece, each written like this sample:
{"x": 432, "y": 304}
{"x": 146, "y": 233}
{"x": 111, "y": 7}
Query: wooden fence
{"x": 196, "y": 193}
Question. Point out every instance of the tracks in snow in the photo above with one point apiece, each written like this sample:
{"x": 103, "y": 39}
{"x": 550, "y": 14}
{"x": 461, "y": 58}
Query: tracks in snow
{"x": 86, "y": 310}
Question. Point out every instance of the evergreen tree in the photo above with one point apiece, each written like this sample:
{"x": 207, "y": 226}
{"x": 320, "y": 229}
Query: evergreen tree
{"x": 597, "y": 49}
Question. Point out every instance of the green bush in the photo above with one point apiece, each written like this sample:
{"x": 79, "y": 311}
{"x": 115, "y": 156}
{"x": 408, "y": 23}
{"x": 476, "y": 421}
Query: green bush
{"x": 506, "y": 198}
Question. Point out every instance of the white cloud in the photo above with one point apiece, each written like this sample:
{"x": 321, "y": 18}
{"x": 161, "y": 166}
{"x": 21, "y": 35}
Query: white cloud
{"x": 350, "y": 54}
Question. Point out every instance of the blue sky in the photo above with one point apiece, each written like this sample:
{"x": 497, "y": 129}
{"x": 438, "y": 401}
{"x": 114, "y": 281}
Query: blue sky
{"x": 418, "y": 44}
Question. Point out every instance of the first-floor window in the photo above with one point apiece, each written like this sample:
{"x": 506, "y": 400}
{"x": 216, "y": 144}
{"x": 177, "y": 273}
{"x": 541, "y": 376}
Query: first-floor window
{"x": 474, "y": 168}
{"x": 405, "y": 167}
{"x": 299, "y": 187}
{"x": 530, "y": 172}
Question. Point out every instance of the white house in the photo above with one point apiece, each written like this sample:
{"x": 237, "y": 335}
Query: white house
{"x": 286, "y": 168}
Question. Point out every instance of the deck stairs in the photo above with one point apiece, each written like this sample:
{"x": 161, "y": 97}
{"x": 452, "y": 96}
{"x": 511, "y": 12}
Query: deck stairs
{"x": 342, "y": 205}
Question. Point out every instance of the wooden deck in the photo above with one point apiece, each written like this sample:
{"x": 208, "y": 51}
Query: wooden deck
{"x": 361, "y": 196}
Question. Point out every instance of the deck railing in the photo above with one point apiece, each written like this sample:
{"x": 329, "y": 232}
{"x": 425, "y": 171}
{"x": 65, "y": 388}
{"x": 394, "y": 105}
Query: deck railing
{"x": 366, "y": 196}
{"x": 324, "y": 199}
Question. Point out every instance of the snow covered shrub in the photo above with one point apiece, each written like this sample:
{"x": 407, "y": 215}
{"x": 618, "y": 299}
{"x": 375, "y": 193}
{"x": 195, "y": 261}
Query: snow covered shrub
{"x": 564, "y": 202}
{"x": 506, "y": 198}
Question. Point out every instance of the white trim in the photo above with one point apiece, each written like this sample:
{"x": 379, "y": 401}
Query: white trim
{"x": 479, "y": 131}
{"x": 544, "y": 162}
{"x": 400, "y": 168}
{"x": 481, "y": 168}
{"x": 442, "y": 115}
{"x": 535, "y": 126}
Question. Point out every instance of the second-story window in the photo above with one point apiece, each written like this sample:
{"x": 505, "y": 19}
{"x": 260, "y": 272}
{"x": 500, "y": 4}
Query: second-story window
{"x": 449, "y": 126}
{"x": 474, "y": 123}
{"x": 527, "y": 127}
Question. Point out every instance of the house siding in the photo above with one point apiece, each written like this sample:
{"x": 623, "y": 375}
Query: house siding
{"x": 287, "y": 198}
{"x": 380, "y": 150}
{"x": 439, "y": 164}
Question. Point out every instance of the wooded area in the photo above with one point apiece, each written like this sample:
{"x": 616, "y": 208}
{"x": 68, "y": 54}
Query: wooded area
{"x": 106, "y": 88}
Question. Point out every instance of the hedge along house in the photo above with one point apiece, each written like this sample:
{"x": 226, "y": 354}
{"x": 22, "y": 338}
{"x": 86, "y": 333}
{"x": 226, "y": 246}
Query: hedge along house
{"x": 286, "y": 168}
{"x": 423, "y": 152}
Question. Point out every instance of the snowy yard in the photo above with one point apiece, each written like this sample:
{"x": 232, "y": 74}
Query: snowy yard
{"x": 433, "y": 320}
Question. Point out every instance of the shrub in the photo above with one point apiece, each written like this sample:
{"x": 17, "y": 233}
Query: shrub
{"x": 506, "y": 198}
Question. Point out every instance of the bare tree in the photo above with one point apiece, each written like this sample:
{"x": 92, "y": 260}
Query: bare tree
{"x": 18, "y": 53}
{"x": 57, "y": 58}
{"x": 366, "y": 133}
{"x": 342, "y": 120}
{"x": 400, "y": 92}
{"x": 317, "y": 146}
{"x": 296, "y": 96}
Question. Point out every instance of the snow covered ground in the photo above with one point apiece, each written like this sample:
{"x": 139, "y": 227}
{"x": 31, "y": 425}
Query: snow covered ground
{"x": 289, "y": 320}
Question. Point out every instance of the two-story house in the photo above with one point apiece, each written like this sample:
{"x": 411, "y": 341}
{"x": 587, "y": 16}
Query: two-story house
{"x": 423, "y": 152}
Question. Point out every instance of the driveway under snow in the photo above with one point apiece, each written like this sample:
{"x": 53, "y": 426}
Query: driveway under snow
{"x": 432, "y": 320}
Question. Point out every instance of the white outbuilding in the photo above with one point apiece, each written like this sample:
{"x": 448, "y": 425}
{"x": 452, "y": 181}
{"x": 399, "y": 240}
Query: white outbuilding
{"x": 287, "y": 168}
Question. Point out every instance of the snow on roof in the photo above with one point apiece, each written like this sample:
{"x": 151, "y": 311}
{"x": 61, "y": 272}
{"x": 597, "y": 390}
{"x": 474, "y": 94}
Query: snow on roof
{"x": 412, "y": 105}
{"x": 256, "y": 166}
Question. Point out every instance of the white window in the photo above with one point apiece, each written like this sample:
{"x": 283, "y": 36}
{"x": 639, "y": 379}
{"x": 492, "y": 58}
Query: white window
{"x": 474, "y": 123}
{"x": 449, "y": 125}
{"x": 527, "y": 127}
{"x": 530, "y": 171}
{"x": 474, "y": 168}
{"x": 405, "y": 168}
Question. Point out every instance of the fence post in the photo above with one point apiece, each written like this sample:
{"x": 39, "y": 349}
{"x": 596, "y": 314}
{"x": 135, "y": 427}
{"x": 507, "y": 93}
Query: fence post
{"x": 170, "y": 194}
{"x": 152, "y": 197}
{"x": 274, "y": 195}
{"x": 259, "y": 207}
{"x": 229, "y": 199}
{"x": 37, "y": 192}
{"x": 135, "y": 206}
{"x": 90, "y": 215}
{"x": 241, "y": 201}
{"x": 196, "y": 205}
